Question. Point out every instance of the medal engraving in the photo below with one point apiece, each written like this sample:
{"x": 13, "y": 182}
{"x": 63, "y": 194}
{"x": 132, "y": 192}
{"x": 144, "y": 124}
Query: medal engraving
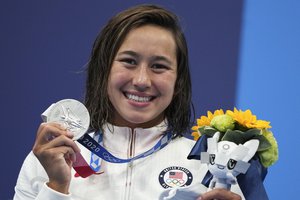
{"x": 70, "y": 113}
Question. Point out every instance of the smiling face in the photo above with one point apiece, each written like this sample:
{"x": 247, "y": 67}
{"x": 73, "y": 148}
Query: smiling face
{"x": 142, "y": 77}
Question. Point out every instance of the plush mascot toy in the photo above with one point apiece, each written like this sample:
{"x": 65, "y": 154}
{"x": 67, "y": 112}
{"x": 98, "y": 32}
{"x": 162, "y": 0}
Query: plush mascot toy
{"x": 226, "y": 160}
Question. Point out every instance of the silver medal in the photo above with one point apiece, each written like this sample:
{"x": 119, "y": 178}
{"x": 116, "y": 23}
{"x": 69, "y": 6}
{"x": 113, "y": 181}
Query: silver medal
{"x": 70, "y": 113}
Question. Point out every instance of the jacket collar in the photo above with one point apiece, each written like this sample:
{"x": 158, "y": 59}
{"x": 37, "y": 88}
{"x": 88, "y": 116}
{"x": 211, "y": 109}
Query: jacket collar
{"x": 123, "y": 141}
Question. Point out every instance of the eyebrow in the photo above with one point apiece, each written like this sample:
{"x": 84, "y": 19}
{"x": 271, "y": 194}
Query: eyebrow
{"x": 128, "y": 52}
{"x": 156, "y": 58}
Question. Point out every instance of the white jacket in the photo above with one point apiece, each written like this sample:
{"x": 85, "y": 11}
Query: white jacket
{"x": 146, "y": 178}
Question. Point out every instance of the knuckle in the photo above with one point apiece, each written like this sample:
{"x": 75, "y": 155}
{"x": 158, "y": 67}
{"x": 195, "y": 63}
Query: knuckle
{"x": 238, "y": 197}
{"x": 47, "y": 154}
{"x": 34, "y": 151}
{"x": 37, "y": 151}
{"x": 219, "y": 192}
{"x": 44, "y": 125}
{"x": 43, "y": 128}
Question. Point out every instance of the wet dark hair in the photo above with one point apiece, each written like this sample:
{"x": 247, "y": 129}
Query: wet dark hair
{"x": 107, "y": 44}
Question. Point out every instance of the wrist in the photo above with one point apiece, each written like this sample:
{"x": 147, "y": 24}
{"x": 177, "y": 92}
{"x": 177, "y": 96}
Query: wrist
{"x": 62, "y": 188}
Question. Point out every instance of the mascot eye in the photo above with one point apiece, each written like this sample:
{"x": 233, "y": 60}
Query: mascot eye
{"x": 212, "y": 159}
{"x": 231, "y": 164}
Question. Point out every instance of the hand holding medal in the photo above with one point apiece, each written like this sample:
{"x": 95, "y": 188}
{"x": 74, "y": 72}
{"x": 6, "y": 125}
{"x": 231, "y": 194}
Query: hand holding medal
{"x": 64, "y": 121}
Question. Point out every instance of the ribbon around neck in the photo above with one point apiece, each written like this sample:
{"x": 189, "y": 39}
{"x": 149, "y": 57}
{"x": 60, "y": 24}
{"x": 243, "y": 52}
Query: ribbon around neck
{"x": 84, "y": 170}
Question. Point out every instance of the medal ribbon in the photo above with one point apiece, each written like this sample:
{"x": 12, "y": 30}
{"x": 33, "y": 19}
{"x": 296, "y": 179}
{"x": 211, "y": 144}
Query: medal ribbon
{"x": 88, "y": 142}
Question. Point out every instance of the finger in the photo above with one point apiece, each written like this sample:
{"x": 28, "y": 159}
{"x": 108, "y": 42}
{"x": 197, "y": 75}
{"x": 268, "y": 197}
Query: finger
{"x": 220, "y": 194}
{"x": 63, "y": 128}
{"x": 43, "y": 144}
{"x": 62, "y": 141}
{"x": 55, "y": 156}
{"x": 67, "y": 152}
{"x": 58, "y": 125}
{"x": 48, "y": 131}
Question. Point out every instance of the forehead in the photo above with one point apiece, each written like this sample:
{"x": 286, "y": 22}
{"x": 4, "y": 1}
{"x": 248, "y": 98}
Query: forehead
{"x": 226, "y": 147}
{"x": 150, "y": 39}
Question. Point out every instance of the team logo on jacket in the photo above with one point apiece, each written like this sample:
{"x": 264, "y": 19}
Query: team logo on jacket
{"x": 175, "y": 177}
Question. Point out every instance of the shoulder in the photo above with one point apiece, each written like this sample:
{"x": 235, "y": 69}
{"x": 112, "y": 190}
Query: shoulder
{"x": 184, "y": 142}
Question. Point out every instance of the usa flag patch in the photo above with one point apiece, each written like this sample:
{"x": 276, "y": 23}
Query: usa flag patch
{"x": 175, "y": 176}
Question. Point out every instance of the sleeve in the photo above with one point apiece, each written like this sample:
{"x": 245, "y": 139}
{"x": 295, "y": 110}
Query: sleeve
{"x": 31, "y": 183}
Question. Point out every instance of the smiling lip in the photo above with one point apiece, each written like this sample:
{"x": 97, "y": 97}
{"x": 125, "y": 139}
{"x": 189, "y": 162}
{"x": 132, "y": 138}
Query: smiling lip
{"x": 221, "y": 167}
{"x": 138, "y": 100}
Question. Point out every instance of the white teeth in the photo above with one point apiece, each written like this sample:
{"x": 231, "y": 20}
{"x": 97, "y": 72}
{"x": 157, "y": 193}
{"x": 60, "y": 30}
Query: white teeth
{"x": 137, "y": 98}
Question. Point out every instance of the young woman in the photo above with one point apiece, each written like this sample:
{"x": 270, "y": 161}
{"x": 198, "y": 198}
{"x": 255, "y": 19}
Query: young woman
{"x": 138, "y": 89}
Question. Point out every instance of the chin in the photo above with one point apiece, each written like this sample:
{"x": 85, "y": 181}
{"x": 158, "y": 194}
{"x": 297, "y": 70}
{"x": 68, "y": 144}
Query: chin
{"x": 140, "y": 122}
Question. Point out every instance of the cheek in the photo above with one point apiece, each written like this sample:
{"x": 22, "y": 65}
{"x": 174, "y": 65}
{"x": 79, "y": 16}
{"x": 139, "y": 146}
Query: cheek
{"x": 168, "y": 86}
{"x": 116, "y": 80}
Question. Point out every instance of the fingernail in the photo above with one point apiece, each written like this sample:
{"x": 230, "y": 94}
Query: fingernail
{"x": 62, "y": 126}
{"x": 70, "y": 134}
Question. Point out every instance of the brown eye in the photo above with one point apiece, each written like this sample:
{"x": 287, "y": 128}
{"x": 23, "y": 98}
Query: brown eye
{"x": 159, "y": 68}
{"x": 128, "y": 61}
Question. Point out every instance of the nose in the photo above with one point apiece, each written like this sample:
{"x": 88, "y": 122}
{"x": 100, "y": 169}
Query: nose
{"x": 142, "y": 78}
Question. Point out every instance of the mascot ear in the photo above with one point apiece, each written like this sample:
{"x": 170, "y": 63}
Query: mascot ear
{"x": 252, "y": 145}
{"x": 212, "y": 143}
{"x": 217, "y": 136}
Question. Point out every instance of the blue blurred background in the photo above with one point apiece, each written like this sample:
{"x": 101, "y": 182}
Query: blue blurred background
{"x": 242, "y": 53}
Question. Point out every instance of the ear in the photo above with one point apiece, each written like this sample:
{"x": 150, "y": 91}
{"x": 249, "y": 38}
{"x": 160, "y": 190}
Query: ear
{"x": 212, "y": 143}
{"x": 252, "y": 145}
{"x": 217, "y": 136}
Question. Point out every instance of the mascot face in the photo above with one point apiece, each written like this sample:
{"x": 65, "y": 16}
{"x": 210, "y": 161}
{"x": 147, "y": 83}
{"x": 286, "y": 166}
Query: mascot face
{"x": 222, "y": 161}
{"x": 226, "y": 159}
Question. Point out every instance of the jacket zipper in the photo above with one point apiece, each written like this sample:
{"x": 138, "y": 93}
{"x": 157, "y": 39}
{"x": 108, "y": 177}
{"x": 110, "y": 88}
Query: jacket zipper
{"x": 129, "y": 166}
